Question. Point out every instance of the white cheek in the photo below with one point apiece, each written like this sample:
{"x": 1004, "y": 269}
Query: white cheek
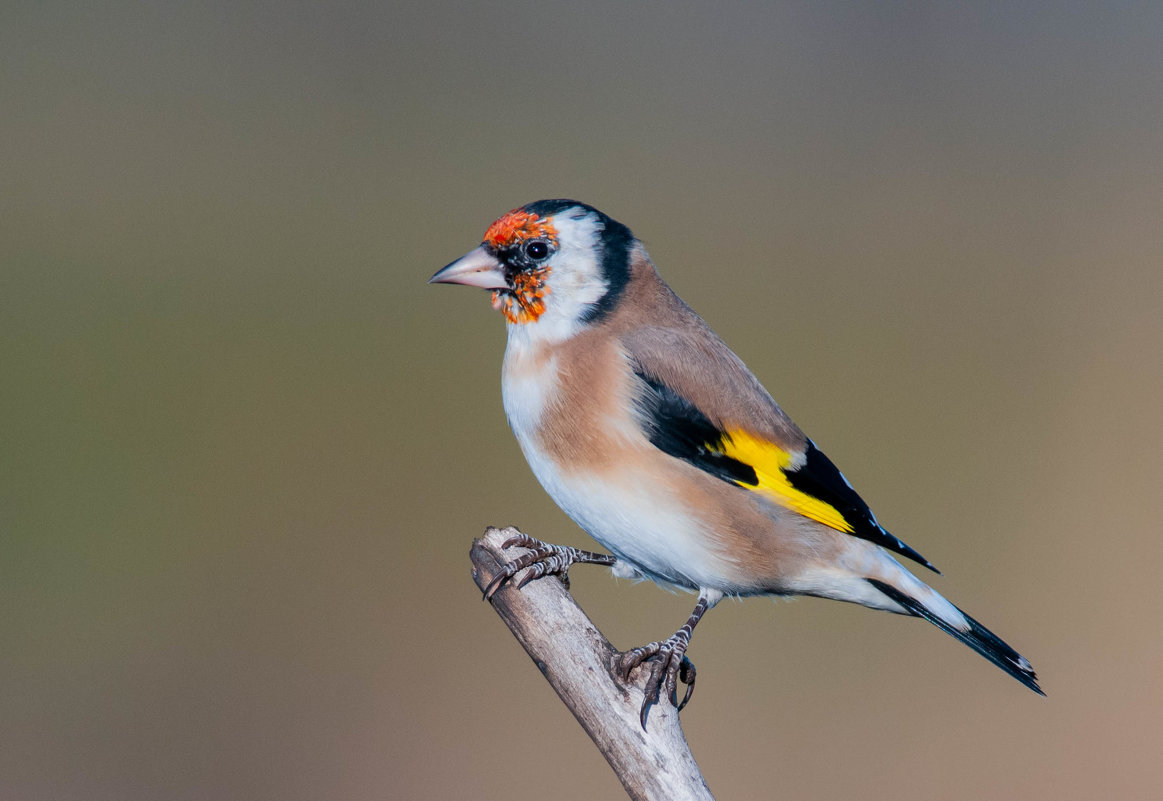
{"x": 574, "y": 283}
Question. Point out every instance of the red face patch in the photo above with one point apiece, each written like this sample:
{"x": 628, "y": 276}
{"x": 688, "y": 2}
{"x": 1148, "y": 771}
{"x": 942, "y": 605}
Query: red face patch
{"x": 524, "y": 302}
{"x": 518, "y": 226}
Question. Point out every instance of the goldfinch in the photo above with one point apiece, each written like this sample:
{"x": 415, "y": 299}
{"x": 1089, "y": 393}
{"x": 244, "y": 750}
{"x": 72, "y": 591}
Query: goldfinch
{"x": 655, "y": 438}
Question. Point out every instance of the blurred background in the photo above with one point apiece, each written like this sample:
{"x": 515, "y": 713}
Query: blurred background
{"x": 245, "y": 447}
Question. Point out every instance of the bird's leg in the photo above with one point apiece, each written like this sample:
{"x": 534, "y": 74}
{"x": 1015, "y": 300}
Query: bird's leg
{"x": 668, "y": 662}
{"x": 542, "y": 560}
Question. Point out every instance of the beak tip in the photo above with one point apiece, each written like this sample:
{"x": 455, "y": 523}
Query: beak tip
{"x": 478, "y": 268}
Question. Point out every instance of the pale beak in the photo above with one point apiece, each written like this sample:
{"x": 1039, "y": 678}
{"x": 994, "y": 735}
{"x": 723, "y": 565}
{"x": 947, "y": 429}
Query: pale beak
{"x": 476, "y": 268}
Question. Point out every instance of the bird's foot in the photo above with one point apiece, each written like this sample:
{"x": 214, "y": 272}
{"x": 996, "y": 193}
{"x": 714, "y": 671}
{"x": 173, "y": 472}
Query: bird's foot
{"x": 543, "y": 559}
{"x": 668, "y": 666}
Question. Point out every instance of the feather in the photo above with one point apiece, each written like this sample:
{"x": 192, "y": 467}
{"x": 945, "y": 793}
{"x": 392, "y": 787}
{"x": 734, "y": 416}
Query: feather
{"x": 977, "y": 637}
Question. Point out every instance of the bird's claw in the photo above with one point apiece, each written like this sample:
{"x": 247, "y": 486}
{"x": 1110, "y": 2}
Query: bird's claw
{"x": 543, "y": 559}
{"x": 668, "y": 664}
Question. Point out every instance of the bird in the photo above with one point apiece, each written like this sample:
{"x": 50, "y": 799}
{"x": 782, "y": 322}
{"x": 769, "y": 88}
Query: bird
{"x": 653, "y": 436}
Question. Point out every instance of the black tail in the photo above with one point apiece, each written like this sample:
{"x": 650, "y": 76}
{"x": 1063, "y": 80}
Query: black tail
{"x": 979, "y": 638}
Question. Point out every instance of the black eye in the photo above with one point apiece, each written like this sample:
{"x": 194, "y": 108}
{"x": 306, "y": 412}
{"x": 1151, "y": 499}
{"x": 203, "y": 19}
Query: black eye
{"x": 536, "y": 250}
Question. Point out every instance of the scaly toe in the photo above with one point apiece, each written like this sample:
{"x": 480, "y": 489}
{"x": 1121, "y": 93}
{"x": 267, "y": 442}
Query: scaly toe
{"x": 543, "y": 559}
{"x": 513, "y": 568}
{"x": 524, "y": 540}
{"x": 632, "y": 659}
{"x": 668, "y": 666}
{"x": 686, "y": 674}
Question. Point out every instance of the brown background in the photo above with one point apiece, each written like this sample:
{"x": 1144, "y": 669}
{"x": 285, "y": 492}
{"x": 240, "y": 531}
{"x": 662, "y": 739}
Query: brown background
{"x": 245, "y": 447}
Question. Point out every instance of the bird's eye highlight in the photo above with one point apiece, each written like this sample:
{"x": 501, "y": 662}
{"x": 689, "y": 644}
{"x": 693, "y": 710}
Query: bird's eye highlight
{"x": 536, "y": 250}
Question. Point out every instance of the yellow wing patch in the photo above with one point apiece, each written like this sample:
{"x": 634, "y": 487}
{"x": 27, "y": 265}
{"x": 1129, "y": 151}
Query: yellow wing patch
{"x": 769, "y": 461}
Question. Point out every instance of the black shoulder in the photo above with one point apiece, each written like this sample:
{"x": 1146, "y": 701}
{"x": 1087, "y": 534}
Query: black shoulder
{"x": 676, "y": 427}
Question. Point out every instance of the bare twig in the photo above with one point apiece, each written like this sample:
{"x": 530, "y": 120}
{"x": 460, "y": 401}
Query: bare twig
{"x": 577, "y": 660}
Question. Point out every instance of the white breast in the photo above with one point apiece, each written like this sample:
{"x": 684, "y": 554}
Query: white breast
{"x": 529, "y": 381}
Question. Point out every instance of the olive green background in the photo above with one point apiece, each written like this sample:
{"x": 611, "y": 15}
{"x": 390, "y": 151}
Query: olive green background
{"x": 244, "y": 447}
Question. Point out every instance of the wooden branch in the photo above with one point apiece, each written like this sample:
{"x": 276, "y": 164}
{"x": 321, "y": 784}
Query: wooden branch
{"x": 653, "y": 765}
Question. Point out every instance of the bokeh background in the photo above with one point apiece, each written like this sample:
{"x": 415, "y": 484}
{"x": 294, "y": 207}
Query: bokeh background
{"x": 245, "y": 447}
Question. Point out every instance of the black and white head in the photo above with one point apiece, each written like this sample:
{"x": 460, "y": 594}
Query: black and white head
{"x": 552, "y": 265}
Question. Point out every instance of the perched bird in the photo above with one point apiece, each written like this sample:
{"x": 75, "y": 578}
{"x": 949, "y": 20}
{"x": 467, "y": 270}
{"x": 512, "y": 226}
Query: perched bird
{"x": 657, "y": 440}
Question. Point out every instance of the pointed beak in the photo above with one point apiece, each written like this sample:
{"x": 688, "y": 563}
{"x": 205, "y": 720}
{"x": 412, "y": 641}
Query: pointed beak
{"x": 476, "y": 268}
